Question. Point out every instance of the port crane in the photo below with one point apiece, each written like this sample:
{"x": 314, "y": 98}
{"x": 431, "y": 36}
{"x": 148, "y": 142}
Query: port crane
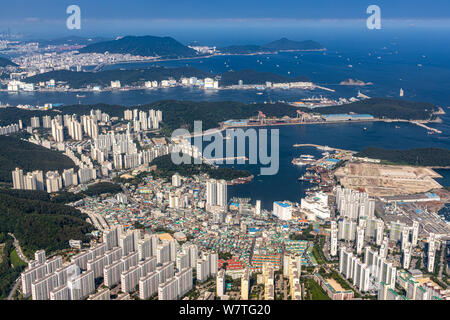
{"x": 301, "y": 115}
{"x": 261, "y": 116}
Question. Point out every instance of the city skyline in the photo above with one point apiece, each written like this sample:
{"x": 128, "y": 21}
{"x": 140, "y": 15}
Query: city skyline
{"x": 236, "y": 151}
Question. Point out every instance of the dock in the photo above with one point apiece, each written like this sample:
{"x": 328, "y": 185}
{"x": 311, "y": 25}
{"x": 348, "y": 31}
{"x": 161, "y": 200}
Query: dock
{"x": 426, "y": 127}
{"x": 324, "y": 148}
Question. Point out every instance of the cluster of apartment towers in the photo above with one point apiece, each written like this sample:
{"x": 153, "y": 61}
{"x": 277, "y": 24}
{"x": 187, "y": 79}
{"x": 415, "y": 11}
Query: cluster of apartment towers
{"x": 120, "y": 146}
{"x": 146, "y": 265}
{"x": 359, "y": 224}
{"x": 53, "y": 181}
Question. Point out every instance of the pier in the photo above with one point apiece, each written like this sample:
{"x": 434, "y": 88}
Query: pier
{"x": 324, "y": 148}
{"x": 426, "y": 127}
{"x": 226, "y": 159}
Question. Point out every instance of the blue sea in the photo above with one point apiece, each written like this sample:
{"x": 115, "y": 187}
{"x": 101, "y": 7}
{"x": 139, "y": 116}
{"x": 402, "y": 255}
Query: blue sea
{"x": 415, "y": 59}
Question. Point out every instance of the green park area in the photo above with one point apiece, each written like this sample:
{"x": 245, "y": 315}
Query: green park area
{"x": 15, "y": 259}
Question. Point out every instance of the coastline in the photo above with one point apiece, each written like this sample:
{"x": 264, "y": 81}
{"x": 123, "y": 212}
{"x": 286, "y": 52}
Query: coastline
{"x": 420, "y": 123}
{"x": 152, "y": 59}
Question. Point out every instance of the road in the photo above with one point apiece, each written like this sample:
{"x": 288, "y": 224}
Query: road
{"x": 14, "y": 289}
{"x": 21, "y": 256}
{"x": 443, "y": 261}
{"x": 18, "y": 249}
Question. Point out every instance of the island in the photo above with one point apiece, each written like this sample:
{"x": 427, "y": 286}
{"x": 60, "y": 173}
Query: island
{"x": 351, "y": 82}
{"x": 280, "y": 45}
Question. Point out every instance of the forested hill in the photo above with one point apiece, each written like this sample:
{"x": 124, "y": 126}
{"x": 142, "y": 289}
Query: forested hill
{"x": 386, "y": 108}
{"x": 6, "y": 62}
{"x": 127, "y": 77}
{"x": 139, "y": 76}
{"x": 433, "y": 157}
{"x": 15, "y": 152}
{"x": 182, "y": 114}
{"x": 165, "y": 168}
{"x": 40, "y": 224}
{"x": 142, "y": 46}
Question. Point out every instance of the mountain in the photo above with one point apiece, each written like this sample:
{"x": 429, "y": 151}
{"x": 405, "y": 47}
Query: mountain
{"x": 142, "y": 46}
{"x": 6, "y": 62}
{"x": 250, "y": 76}
{"x": 286, "y": 44}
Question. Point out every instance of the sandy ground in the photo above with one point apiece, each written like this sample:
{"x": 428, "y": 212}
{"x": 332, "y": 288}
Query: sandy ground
{"x": 336, "y": 286}
{"x": 387, "y": 180}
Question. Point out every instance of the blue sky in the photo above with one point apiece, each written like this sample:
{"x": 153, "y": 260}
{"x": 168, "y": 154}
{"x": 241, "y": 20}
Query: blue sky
{"x": 179, "y": 9}
{"x": 107, "y": 17}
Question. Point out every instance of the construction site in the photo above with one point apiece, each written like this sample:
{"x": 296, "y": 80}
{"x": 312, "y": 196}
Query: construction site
{"x": 387, "y": 180}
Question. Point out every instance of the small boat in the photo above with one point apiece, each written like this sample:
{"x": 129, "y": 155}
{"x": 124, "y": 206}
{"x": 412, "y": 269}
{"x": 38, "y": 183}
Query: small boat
{"x": 365, "y": 129}
{"x": 81, "y": 96}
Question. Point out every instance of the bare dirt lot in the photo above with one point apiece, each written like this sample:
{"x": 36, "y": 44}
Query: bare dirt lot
{"x": 387, "y": 180}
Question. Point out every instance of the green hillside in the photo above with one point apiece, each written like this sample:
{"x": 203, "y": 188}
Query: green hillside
{"x": 127, "y": 77}
{"x": 422, "y": 157}
{"x": 39, "y": 224}
{"x": 28, "y": 156}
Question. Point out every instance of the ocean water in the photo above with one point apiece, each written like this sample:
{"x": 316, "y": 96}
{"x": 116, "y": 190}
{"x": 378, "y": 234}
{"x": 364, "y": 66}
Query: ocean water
{"x": 415, "y": 59}
{"x": 349, "y": 136}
